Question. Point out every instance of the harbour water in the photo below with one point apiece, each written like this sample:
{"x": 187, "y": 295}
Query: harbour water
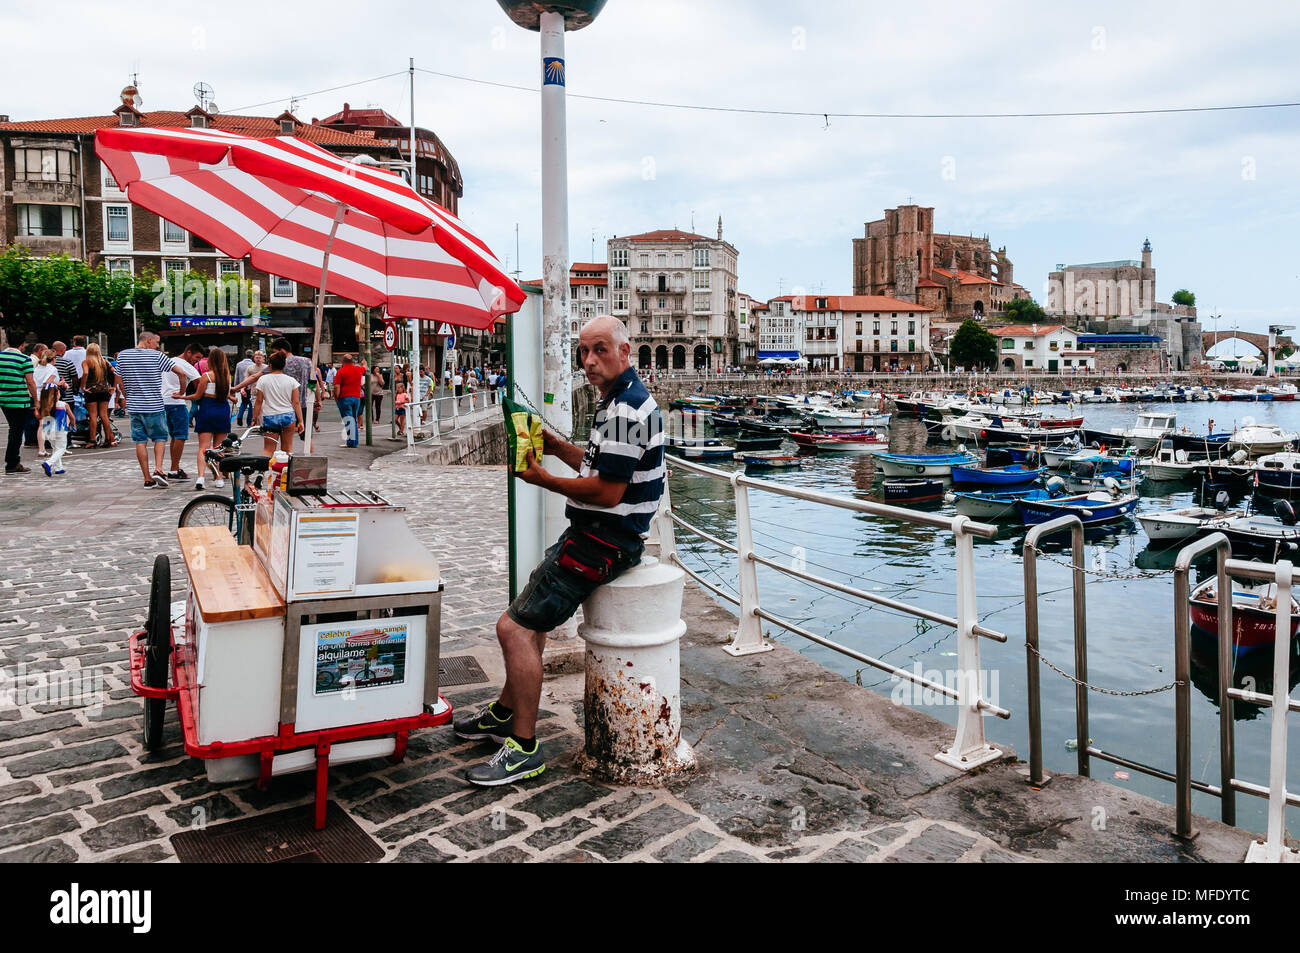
{"x": 1130, "y": 607}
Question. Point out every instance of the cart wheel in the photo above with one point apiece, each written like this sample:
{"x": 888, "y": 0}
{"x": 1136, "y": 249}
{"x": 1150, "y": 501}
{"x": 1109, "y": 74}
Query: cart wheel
{"x": 209, "y": 509}
{"x": 157, "y": 650}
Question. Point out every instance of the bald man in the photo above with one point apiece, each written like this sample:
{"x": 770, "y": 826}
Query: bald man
{"x": 611, "y": 501}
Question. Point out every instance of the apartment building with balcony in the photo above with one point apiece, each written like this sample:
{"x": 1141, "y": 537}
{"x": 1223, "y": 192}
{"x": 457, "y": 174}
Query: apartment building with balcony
{"x": 880, "y": 333}
{"x": 778, "y": 330}
{"x": 677, "y": 292}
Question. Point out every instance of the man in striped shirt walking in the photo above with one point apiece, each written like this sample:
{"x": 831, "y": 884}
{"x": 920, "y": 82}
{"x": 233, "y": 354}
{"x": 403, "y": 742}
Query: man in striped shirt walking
{"x": 18, "y": 401}
{"x": 141, "y": 369}
{"x": 611, "y": 501}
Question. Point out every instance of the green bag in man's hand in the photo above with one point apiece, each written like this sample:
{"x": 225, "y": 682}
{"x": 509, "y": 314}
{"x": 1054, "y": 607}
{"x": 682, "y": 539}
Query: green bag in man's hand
{"x": 523, "y": 433}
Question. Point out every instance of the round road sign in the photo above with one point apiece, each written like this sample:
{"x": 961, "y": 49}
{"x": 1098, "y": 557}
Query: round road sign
{"x": 390, "y": 335}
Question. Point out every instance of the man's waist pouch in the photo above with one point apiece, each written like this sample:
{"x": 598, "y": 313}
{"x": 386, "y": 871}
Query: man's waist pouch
{"x": 591, "y": 553}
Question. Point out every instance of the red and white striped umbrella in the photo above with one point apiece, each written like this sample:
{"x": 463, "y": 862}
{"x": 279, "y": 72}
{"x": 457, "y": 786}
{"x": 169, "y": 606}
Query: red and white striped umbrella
{"x": 300, "y": 212}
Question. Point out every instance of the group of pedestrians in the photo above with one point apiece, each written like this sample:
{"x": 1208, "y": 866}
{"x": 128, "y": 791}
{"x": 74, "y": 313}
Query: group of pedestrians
{"x": 39, "y": 389}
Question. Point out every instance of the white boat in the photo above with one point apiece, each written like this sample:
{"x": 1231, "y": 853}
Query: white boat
{"x": 1257, "y": 439}
{"x": 1149, "y": 430}
{"x": 836, "y": 418}
{"x": 1183, "y": 523}
{"x": 1168, "y": 463}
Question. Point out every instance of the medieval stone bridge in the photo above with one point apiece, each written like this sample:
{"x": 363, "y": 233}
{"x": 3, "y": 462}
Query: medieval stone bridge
{"x": 1211, "y": 338}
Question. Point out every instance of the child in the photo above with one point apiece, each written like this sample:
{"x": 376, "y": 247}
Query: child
{"x": 55, "y": 418}
{"x": 399, "y": 410}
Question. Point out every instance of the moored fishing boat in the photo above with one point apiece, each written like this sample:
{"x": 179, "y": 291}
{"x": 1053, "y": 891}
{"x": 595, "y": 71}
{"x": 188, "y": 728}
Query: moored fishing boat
{"x": 872, "y": 441}
{"x": 749, "y": 444}
{"x": 1013, "y": 474}
{"x": 1278, "y": 475}
{"x": 1184, "y": 523}
{"x": 1258, "y": 439}
{"x": 1000, "y": 505}
{"x": 922, "y": 464}
{"x": 1254, "y": 614}
{"x": 699, "y": 448}
{"x": 1093, "y": 509}
{"x": 773, "y": 461}
{"x": 912, "y": 491}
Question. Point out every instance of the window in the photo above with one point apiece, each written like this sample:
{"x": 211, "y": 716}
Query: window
{"x": 701, "y": 279}
{"x": 877, "y": 345}
{"x": 661, "y": 322}
{"x": 1068, "y": 362}
{"x": 911, "y": 327}
{"x": 701, "y": 325}
{"x": 230, "y": 267}
{"x": 679, "y": 260}
{"x": 600, "y": 292}
{"x": 620, "y": 301}
{"x": 645, "y": 327}
{"x": 645, "y": 305}
{"x": 701, "y": 258}
{"x": 282, "y": 287}
{"x": 1029, "y": 362}
{"x": 620, "y": 279}
{"x": 43, "y": 165}
{"x": 1029, "y": 345}
{"x": 1069, "y": 345}
{"x": 106, "y": 179}
{"x": 174, "y": 266}
{"x": 1008, "y": 344}
{"x": 810, "y": 334}
{"x": 644, "y": 259}
{"x": 618, "y": 258}
{"x": 59, "y": 221}
{"x": 677, "y": 326}
{"x": 893, "y": 327}
{"x": 911, "y": 345}
{"x": 830, "y": 334}
{"x": 661, "y": 260}
{"x": 701, "y": 302}
{"x": 173, "y": 234}
{"x": 893, "y": 345}
{"x": 663, "y": 303}
{"x": 120, "y": 266}
{"x": 859, "y": 328}
{"x": 119, "y": 224}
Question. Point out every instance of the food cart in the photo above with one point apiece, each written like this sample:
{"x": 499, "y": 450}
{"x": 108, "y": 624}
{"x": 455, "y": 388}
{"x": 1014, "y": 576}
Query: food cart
{"x": 315, "y": 646}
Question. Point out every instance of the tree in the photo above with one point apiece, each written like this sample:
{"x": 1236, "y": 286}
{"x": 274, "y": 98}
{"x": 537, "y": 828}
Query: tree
{"x": 1183, "y": 296}
{"x": 972, "y": 346}
{"x": 1025, "y": 311}
{"x": 58, "y": 296}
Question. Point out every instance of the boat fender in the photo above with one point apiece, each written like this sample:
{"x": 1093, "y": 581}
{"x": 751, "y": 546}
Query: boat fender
{"x": 1284, "y": 512}
{"x": 947, "y": 433}
{"x": 919, "y": 469}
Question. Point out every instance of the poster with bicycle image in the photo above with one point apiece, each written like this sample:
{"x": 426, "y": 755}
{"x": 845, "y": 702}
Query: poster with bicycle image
{"x": 360, "y": 655}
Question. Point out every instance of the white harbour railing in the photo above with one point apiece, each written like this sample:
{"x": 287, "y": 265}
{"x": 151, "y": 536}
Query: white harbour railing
{"x": 969, "y": 748}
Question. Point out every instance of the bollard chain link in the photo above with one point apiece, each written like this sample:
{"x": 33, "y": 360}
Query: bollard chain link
{"x": 1097, "y": 688}
{"x": 1102, "y": 573}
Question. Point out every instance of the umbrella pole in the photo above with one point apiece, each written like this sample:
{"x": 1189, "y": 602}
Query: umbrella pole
{"x": 315, "y": 336}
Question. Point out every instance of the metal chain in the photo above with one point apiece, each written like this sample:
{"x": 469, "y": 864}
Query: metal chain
{"x": 531, "y": 405}
{"x": 1097, "y": 688}
{"x": 1103, "y": 573}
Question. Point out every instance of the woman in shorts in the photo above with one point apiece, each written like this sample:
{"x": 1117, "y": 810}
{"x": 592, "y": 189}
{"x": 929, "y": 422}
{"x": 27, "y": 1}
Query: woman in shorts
{"x": 277, "y": 406}
{"x": 212, "y": 418}
{"x": 99, "y": 382}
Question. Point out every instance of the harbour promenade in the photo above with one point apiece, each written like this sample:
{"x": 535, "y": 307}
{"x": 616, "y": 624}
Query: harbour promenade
{"x": 795, "y": 763}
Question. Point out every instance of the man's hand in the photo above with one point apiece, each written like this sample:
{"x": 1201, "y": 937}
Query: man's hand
{"x": 534, "y": 474}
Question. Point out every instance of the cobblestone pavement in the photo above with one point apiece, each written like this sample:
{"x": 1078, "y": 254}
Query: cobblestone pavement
{"x": 795, "y": 763}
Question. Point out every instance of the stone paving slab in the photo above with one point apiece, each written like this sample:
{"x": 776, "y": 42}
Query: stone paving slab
{"x": 796, "y": 764}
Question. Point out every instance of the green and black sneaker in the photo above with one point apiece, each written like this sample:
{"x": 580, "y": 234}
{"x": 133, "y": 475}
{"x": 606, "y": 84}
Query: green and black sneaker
{"x": 484, "y": 726}
{"x": 512, "y": 763}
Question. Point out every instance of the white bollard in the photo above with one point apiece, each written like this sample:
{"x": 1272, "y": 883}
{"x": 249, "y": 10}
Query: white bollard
{"x": 633, "y": 629}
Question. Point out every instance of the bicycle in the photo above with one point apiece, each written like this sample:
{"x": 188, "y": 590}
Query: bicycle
{"x": 236, "y": 513}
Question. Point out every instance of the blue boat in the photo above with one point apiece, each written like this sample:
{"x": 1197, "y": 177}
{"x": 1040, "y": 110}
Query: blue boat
{"x": 922, "y": 464}
{"x": 1013, "y": 475}
{"x": 1093, "y": 509}
{"x": 988, "y": 505}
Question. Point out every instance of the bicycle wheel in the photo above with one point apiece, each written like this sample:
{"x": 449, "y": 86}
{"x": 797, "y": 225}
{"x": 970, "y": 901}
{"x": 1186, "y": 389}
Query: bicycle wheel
{"x": 209, "y": 509}
{"x": 158, "y": 645}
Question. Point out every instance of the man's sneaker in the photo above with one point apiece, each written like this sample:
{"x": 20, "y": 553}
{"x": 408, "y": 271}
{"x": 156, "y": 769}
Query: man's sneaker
{"x": 159, "y": 478}
{"x": 177, "y": 475}
{"x": 18, "y": 469}
{"x": 218, "y": 483}
{"x": 153, "y": 485}
{"x": 508, "y": 765}
{"x": 60, "y": 471}
{"x": 198, "y": 484}
{"x": 483, "y": 726}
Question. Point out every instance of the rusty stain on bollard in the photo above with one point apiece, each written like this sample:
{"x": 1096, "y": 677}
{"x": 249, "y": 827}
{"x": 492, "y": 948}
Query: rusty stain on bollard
{"x": 632, "y": 699}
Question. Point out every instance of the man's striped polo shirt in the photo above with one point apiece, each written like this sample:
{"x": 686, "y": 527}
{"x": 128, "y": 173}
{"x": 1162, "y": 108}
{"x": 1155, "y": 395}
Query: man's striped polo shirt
{"x": 626, "y": 445}
{"x": 14, "y": 368}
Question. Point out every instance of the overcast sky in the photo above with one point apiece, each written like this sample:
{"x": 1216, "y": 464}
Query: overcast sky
{"x": 1217, "y": 193}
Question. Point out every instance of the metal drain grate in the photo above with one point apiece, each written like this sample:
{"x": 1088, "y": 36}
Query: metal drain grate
{"x": 285, "y": 836}
{"x": 459, "y": 670}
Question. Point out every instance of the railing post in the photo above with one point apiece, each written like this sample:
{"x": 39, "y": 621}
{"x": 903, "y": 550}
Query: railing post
{"x": 1227, "y": 715}
{"x": 969, "y": 749}
{"x": 1079, "y": 596}
{"x": 1274, "y": 850}
{"x": 749, "y": 627}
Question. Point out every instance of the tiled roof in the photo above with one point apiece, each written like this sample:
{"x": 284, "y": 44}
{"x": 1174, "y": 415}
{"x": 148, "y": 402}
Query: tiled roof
{"x": 927, "y": 283}
{"x": 1025, "y": 331}
{"x": 257, "y": 126}
{"x": 665, "y": 235}
{"x": 967, "y": 277}
{"x": 589, "y": 266}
